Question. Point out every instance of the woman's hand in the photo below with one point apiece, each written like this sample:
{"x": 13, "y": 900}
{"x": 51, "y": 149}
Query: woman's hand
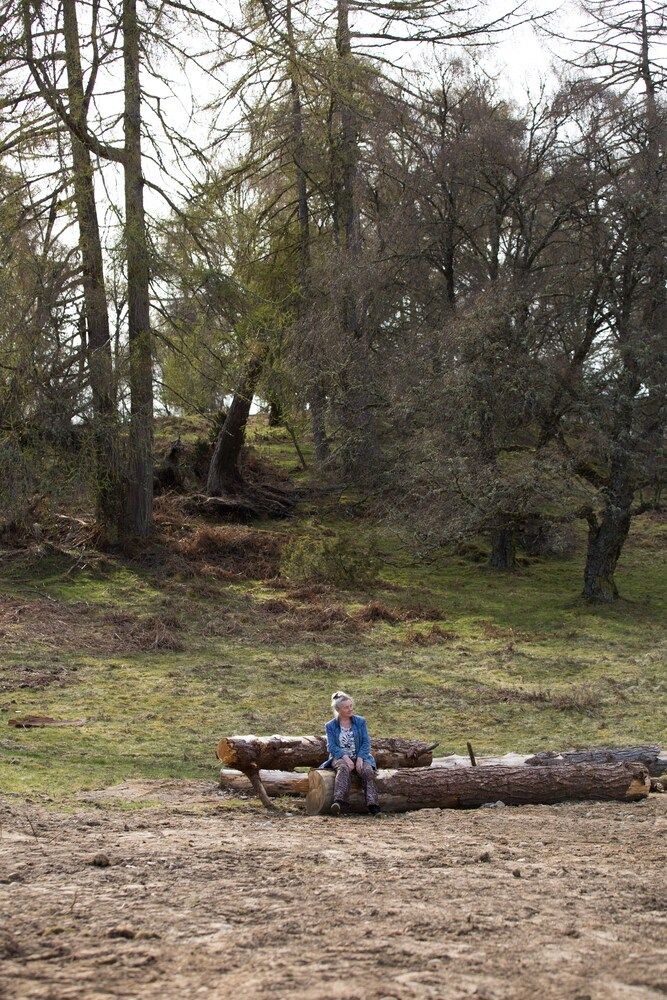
{"x": 359, "y": 765}
{"x": 348, "y": 762}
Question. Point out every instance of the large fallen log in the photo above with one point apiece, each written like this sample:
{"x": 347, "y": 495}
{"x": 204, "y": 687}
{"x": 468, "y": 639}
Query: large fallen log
{"x": 654, "y": 758}
{"x": 287, "y": 752}
{"x": 450, "y": 788}
{"x": 275, "y": 782}
{"x": 279, "y": 783}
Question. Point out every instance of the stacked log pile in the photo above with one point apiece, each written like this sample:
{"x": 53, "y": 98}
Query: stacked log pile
{"x": 257, "y": 757}
{"x": 409, "y": 778}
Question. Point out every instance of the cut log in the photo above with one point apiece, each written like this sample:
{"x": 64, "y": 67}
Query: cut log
{"x": 444, "y": 788}
{"x": 287, "y": 752}
{"x": 275, "y": 782}
{"x": 652, "y": 757}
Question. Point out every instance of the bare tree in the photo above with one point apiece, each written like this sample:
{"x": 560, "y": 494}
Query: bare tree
{"x": 619, "y": 49}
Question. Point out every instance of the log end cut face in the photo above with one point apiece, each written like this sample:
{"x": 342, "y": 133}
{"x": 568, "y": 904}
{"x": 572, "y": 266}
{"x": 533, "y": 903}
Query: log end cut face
{"x": 639, "y": 786}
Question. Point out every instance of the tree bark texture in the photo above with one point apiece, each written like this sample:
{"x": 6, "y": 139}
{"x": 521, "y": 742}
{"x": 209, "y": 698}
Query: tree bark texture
{"x": 642, "y": 354}
{"x": 653, "y": 758}
{"x": 607, "y": 534}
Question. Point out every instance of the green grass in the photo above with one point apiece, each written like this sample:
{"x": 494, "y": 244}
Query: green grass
{"x": 526, "y": 665}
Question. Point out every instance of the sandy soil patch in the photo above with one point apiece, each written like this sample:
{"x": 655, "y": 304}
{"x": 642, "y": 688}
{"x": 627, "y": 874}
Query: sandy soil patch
{"x": 189, "y": 898}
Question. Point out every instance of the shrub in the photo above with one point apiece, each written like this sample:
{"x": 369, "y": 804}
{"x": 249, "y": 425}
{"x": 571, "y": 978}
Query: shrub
{"x": 541, "y": 537}
{"x": 16, "y": 487}
{"x": 329, "y": 557}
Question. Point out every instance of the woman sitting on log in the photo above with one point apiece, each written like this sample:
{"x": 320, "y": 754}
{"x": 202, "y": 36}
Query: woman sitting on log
{"x": 349, "y": 749}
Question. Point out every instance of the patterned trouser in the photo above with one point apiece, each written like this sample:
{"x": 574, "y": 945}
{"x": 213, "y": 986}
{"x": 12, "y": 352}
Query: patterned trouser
{"x": 342, "y": 784}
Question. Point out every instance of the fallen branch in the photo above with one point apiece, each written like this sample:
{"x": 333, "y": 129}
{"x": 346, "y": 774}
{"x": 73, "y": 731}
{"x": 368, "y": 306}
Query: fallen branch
{"x": 256, "y": 782}
{"x": 42, "y": 722}
{"x": 276, "y": 783}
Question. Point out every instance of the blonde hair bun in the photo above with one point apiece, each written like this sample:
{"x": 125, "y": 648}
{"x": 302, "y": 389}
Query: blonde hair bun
{"x": 337, "y": 699}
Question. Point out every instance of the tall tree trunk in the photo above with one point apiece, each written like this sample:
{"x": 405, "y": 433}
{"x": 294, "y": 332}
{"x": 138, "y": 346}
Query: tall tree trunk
{"x": 316, "y": 394}
{"x": 362, "y": 445}
{"x": 317, "y": 402}
{"x": 139, "y": 517}
{"x": 605, "y": 542}
{"x": 503, "y": 548}
{"x": 655, "y": 236}
{"x": 275, "y": 414}
{"x": 108, "y": 478}
{"x": 607, "y": 535}
{"x": 224, "y": 474}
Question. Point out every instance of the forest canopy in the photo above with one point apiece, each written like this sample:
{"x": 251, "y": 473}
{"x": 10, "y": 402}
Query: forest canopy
{"x": 335, "y": 211}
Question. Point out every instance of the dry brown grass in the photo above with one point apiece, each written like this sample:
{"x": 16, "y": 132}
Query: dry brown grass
{"x": 318, "y": 662}
{"x": 492, "y": 631}
{"x": 85, "y": 628}
{"x": 433, "y": 636}
{"x": 321, "y": 614}
{"x": 309, "y": 592}
{"x": 585, "y": 699}
{"x": 282, "y": 618}
{"x": 325, "y": 618}
{"x": 276, "y": 606}
{"x": 236, "y": 550}
{"x": 151, "y": 632}
{"x": 376, "y": 611}
{"x": 24, "y": 674}
{"x": 169, "y": 513}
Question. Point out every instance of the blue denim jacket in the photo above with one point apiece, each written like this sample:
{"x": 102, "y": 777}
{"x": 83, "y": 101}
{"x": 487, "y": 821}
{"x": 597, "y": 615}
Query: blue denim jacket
{"x": 361, "y": 741}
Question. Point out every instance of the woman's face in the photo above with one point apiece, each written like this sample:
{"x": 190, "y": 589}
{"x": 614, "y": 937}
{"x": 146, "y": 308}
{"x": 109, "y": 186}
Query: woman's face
{"x": 346, "y": 710}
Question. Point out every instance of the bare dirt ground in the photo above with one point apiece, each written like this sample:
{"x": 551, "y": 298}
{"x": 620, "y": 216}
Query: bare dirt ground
{"x": 198, "y": 900}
